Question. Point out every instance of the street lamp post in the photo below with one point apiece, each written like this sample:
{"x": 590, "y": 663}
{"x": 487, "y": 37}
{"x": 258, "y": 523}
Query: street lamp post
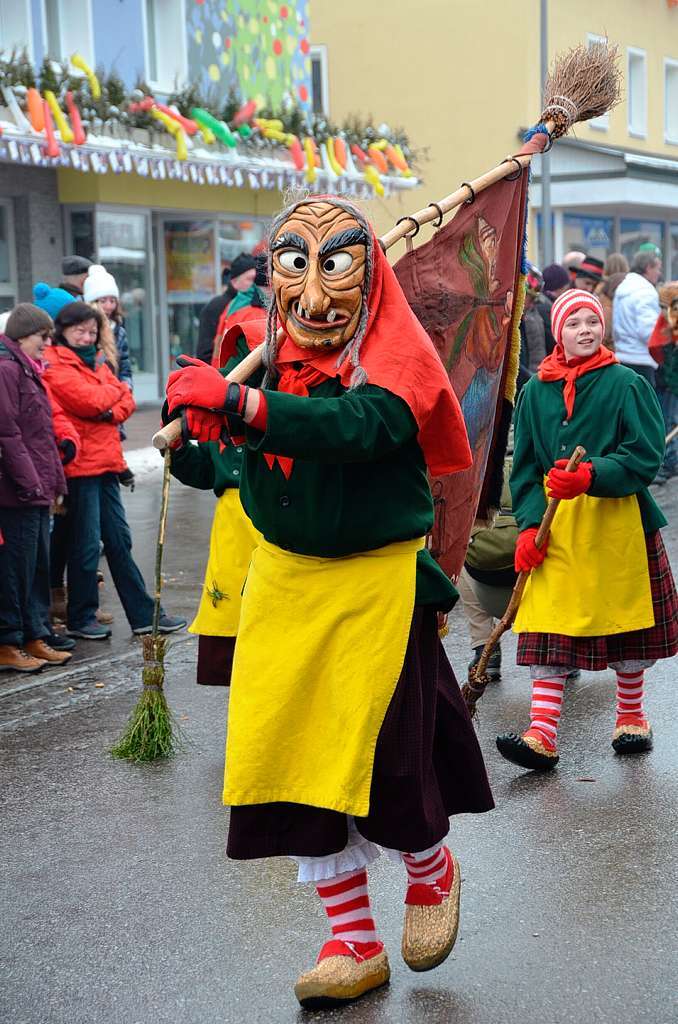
{"x": 546, "y": 247}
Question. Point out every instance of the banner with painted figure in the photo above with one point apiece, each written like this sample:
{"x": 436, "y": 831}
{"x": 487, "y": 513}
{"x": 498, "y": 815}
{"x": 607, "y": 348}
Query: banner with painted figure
{"x": 466, "y": 286}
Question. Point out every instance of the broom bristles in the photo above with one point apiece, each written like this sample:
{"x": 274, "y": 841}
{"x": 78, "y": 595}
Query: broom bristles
{"x": 150, "y": 731}
{"x": 584, "y": 82}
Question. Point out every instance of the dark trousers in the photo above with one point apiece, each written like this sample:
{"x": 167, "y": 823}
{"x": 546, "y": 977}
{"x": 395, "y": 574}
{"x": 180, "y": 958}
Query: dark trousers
{"x": 96, "y": 514}
{"x": 58, "y": 550}
{"x": 24, "y": 575}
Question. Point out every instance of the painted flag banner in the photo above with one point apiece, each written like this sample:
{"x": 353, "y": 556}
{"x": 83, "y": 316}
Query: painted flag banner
{"x": 466, "y": 286}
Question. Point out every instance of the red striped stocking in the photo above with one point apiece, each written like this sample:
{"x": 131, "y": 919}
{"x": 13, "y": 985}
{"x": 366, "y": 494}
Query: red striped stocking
{"x": 547, "y": 700}
{"x": 347, "y": 905}
{"x": 630, "y": 699}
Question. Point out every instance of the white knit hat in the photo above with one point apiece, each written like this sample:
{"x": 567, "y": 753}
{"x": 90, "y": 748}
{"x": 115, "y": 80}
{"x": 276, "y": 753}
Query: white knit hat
{"x": 98, "y": 284}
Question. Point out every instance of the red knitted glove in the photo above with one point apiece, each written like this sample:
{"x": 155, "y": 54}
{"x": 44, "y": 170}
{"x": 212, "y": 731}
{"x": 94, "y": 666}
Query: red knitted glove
{"x": 528, "y": 555}
{"x": 196, "y": 383}
{"x": 562, "y": 484}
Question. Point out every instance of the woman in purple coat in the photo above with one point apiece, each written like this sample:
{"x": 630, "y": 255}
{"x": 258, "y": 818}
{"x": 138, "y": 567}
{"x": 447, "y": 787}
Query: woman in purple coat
{"x": 31, "y": 478}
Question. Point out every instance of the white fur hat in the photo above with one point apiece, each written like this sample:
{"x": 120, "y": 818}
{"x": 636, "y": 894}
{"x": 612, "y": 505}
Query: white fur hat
{"x": 98, "y": 284}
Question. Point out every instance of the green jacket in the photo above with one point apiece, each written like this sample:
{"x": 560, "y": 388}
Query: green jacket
{"x": 203, "y": 466}
{"x": 616, "y": 418}
{"x": 359, "y": 479}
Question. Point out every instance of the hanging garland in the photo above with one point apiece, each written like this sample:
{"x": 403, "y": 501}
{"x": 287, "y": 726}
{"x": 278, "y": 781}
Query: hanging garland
{"x": 72, "y": 101}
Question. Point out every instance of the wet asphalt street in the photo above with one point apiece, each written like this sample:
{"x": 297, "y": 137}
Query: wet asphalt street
{"x": 119, "y": 905}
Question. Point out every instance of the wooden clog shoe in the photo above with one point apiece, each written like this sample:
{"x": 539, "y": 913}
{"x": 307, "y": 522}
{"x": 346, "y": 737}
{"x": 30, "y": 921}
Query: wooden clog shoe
{"x": 528, "y": 750}
{"x": 345, "y": 971}
{"x": 632, "y": 735}
{"x": 432, "y": 919}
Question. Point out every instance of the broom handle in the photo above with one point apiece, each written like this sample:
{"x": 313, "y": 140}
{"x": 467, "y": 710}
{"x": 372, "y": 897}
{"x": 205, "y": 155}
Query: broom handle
{"x": 171, "y": 432}
{"x": 509, "y": 615}
{"x": 162, "y": 525}
{"x": 671, "y": 434}
{"x": 434, "y": 210}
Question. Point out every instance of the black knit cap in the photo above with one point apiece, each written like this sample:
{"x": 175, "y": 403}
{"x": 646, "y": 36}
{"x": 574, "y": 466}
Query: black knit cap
{"x": 27, "y": 319}
{"x": 244, "y": 261}
{"x": 591, "y": 268}
{"x": 75, "y": 265}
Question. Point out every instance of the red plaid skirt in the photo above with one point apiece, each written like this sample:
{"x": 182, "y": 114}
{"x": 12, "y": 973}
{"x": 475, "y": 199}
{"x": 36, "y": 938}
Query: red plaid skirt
{"x": 594, "y": 653}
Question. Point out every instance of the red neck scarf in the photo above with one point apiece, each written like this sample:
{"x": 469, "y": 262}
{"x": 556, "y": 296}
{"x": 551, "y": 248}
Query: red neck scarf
{"x": 556, "y": 367}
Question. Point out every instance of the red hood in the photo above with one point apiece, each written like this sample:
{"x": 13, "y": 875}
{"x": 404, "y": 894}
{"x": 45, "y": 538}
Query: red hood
{"x": 398, "y": 355}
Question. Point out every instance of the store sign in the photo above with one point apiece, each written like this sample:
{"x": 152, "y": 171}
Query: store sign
{"x": 189, "y": 260}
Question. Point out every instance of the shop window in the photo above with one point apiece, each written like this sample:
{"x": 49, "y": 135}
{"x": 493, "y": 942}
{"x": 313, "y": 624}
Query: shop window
{"x": 236, "y": 235}
{"x": 7, "y": 265}
{"x": 82, "y": 233}
{"x": 123, "y": 248}
{"x": 68, "y": 29}
{"x": 190, "y": 279}
{"x": 602, "y": 123}
{"x": 592, "y": 235}
{"x": 165, "y": 30}
{"x": 15, "y": 26}
{"x": 637, "y": 92}
{"x": 671, "y": 101}
{"x": 319, "y": 80}
{"x": 634, "y": 233}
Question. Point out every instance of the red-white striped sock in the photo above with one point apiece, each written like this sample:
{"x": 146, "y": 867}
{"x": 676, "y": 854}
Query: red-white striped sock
{"x": 425, "y": 868}
{"x": 630, "y": 697}
{"x": 547, "y": 701}
{"x": 347, "y": 905}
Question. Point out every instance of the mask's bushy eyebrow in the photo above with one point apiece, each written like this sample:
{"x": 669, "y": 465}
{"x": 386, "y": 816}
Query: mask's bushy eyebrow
{"x": 290, "y": 240}
{"x": 351, "y": 236}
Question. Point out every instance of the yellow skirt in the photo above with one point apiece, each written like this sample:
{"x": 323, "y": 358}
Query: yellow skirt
{"x": 232, "y": 541}
{"x": 595, "y": 579}
{"x": 320, "y": 647}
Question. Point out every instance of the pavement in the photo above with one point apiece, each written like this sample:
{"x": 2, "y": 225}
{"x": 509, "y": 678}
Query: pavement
{"x": 119, "y": 905}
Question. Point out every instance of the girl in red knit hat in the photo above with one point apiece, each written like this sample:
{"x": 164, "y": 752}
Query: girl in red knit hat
{"x": 600, "y": 593}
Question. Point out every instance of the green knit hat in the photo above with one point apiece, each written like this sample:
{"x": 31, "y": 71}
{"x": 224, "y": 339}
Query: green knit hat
{"x": 27, "y": 319}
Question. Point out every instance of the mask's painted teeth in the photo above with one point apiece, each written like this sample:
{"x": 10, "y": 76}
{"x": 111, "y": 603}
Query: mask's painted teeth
{"x": 331, "y": 316}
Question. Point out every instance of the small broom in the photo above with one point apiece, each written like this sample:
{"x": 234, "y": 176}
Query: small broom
{"x": 150, "y": 734}
{"x": 478, "y": 678}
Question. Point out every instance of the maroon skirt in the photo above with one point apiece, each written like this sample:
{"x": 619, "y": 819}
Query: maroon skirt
{"x": 215, "y": 660}
{"x": 427, "y": 766}
{"x": 595, "y": 653}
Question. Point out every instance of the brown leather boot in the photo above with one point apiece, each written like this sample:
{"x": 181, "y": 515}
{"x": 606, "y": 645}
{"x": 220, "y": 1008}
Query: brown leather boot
{"x": 39, "y": 649}
{"x": 13, "y": 659}
{"x": 57, "y": 609}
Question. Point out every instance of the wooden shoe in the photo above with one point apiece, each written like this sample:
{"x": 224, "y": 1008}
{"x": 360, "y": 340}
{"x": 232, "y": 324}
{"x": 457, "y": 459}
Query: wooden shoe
{"x": 40, "y": 649}
{"x": 343, "y": 974}
{"x": 527, "y": 751}
{"x": 632, "y": 735}
{"x": 432, "y": 919}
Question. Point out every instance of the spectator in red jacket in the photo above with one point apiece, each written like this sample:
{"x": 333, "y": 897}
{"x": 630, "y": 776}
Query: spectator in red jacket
{"x": 96, "y": 402}
{"x": 31, "y": 479}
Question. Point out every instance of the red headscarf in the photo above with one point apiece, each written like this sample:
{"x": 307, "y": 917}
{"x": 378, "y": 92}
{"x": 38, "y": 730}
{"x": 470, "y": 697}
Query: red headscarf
{"x": 397, "y": 355}
{"x": 556, "y": 366}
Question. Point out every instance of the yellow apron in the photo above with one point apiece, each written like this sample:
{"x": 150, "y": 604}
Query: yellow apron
{"x": 320, "y": 648}
{"x": 232, "y": 541}
{"x": 594, "y": 580}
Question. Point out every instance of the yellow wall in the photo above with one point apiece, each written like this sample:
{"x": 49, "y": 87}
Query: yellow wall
{"x": 644, "y": 24}
{"x": 458, "y": 75}
{"x": 463, "y": 76}
{"x": 132, "y": 190}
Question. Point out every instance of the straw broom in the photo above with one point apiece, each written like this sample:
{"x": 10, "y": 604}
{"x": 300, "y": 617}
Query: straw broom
{"x": 478, "y": 679}
{"x": 149, "y": 733}
{"x": 584, "y": 83}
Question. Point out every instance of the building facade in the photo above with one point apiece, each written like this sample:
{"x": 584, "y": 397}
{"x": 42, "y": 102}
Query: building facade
{"x": 165, "y": 227}
{"x": 465, "y": 79}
